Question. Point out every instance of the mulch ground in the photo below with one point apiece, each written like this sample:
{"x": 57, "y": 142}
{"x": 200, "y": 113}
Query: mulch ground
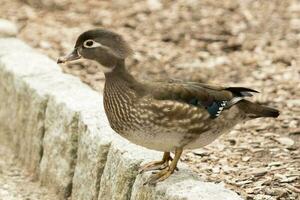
{"x": 249, "y": 43}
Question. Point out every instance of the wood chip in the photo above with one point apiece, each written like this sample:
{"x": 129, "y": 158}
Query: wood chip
{"x": 274, "y": 164}
{"x": 289, "y": 186}
{"x": 259, "y": 172}
{"x": 285, "y": 141}
{"x": 243, "y": 182}
{"x": 246, "y": 158}
{"x": 289, "y": 179}
{"x": 200, "y": 152}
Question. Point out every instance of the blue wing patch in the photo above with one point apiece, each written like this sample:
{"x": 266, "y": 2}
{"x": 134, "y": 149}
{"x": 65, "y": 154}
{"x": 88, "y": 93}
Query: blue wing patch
{"x": 214, "y": 109}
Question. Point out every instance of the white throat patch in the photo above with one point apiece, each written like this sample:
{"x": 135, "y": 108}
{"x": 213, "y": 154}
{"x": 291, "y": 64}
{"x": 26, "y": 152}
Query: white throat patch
{"x": 103, "y": 68}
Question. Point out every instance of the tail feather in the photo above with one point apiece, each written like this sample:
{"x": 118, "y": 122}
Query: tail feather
{"x": 241, "y": 91}
{"x": 254, "y": 110}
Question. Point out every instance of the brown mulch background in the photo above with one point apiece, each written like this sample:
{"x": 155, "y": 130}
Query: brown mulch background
{"x": 249, "y": 43}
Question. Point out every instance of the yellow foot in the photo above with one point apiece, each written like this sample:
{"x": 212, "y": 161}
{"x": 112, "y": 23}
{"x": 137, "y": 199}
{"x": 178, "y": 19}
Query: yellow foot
{"x": 166, "y": 172}
{"x": 160, "y": 176}
{"x": 157, "y": 165}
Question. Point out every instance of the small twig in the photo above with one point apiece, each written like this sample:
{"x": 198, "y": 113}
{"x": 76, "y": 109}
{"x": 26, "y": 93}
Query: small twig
{"x": 294, "y": 189}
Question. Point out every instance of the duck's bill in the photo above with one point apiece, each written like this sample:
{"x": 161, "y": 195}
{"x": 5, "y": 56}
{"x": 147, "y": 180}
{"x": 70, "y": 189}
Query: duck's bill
{"x": 72, "y": 56}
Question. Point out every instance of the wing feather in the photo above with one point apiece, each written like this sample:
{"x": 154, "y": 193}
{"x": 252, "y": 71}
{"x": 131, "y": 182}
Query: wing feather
{"x": 213, "y": 98}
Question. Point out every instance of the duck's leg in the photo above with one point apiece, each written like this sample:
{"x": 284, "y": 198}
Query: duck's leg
{"x": 165, "y": 173}
{"x": 156, "y": 165}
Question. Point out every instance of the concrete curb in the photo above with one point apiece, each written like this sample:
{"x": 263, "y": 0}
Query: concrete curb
{"x": 57, "y": 127}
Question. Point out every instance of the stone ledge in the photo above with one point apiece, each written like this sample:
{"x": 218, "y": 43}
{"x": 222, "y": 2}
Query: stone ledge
{"x": 7, "y": 28}
{"x": 57, "y": 127}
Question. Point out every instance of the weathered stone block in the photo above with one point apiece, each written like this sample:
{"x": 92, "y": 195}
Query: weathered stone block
{"x": 94, "y": 142}
{"x": 59, "y": 147}
{"x": 7, "y": 28}
{"x": 22, "y": 105}
{"x": 70, "y": 105}
{"x": 182, "y": 185}
{"x": 68, "y": 99}
{"x": 9, "y": 97}
{"x": 93, "y": 147}
{"x": 121, "y": 169}
{"x": 12, "y": 45}
{"x": 8, "y": 108}
{"x": 22, "y": 64}
{"x": 29, "y": 127}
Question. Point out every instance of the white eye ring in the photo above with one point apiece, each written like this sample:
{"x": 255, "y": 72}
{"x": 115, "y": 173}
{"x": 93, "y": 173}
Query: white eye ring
{"x": 91, "y": 44}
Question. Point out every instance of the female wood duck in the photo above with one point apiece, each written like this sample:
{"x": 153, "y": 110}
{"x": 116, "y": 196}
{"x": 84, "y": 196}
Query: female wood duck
{"x": 164, "y": 116}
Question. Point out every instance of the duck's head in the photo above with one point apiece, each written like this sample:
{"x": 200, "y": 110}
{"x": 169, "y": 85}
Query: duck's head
{"x": 104, "y": 46}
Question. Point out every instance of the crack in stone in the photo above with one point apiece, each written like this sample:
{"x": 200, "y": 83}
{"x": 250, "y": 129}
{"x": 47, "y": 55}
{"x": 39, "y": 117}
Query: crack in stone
{"x": 43, "y": 116}
{"x": 74, "y": 126}
{"x": 100, "y": 170}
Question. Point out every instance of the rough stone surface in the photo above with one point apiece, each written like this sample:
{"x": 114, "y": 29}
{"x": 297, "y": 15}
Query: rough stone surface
{"x": 121, "y": 169}
{"x": 29, "y": 127}
{"x": 7, "y": 28}
{"x": 68, "y": 100}
{"x": 8, "y": 100}
{"x": 28, "y": 64}
{"x": 94, "y": 143}
{"x": 22, "y": 124}
{"x": 60, "y": 148}
{"x": 183, "y": 185}
{"x": 91, "y": 160}
{"x": 57, "y": 127}
{"x": 11, "y": 45}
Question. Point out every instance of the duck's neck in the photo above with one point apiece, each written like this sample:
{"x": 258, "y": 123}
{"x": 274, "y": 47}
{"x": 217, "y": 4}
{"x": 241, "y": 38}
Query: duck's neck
{"x": 119, "y": 96}
{"x": 120, "y": 73}
{"x": 120, "y": 80}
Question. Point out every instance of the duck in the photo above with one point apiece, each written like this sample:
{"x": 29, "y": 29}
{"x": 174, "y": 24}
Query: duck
{"x": 166, "y": 115}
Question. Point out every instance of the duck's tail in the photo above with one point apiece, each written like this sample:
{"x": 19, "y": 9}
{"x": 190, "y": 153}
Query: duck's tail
{"x": 254, "y": 110}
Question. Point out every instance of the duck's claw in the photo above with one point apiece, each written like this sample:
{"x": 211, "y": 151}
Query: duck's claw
{"x": 160, "y": 176}
{"x": 157, "y": 165}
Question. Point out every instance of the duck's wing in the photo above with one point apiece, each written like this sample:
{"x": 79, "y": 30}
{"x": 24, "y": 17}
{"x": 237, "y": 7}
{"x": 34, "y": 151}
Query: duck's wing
{"x": 213, "y": 98}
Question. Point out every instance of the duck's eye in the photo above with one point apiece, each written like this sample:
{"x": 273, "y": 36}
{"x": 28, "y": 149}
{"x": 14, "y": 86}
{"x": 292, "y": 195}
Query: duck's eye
{"x": 90, "y": 44}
